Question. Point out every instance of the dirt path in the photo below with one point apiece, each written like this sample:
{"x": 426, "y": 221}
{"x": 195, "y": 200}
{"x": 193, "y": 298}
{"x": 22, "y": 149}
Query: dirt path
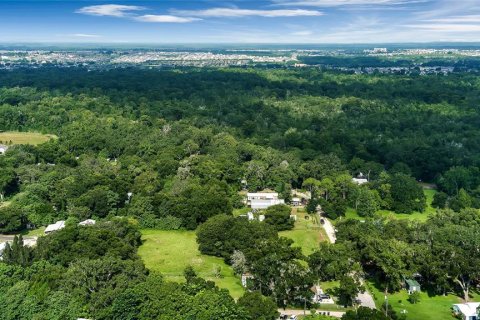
{"x": 366, "y": 299}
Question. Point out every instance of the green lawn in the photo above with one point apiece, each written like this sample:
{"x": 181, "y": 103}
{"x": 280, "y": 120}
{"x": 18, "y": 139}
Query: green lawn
{"x": 429, "y": 308}
{"x": 35, "y": 232}
{"x": 24, "y": 137}
{"x": 169, "y": 252}
{"x": 307, "y": 233}
{"x": 4, "y": 203}
{"x": 240, "y": 211}
{"x": 418, "y": 216}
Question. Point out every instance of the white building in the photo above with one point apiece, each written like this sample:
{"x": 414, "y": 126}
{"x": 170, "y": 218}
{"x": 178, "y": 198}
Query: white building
{"x": 360, "y": 179}
{"x": 3, "y": 149}
{"x": 296, "y": 201}
{"x": 263, "y": 200}
{"x": 88, "y": 222}
{"x": 55, "y": 227}
{"x": 467, "y": 311}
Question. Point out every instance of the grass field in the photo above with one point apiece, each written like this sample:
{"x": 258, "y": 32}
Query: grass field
{"x": 13, "y": 137}
{"x": 35, "y": 232}
{"x": 169, "y": 252}
{"x": 429, "y": 308}
{"x": 418, "y": 216}
{"x": 4, "y": 203}
{"x": 307, "y": 233}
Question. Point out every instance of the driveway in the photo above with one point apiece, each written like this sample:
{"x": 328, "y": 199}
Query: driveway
{"x": 329, "y": 229}
{"x": 366, "y": 299}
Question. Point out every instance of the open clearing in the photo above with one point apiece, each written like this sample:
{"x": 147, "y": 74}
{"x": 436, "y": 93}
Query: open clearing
{"x": 417, "y": 216}
{"x": 429, "y": 308}
{"x": 34, "y": 138}
{"x": 170, "y": 252}
{"x": 307, "y": 233}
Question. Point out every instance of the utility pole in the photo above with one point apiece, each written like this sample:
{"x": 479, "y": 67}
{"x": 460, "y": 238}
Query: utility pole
{"x": 386, "y": 305}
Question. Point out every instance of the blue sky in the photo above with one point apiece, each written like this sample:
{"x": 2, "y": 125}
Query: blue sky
{"x": 240, "y": 21}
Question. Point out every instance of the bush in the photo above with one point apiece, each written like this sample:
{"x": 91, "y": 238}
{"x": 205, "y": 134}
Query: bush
{"x": 279, "y": 217}
{"x": 164, "y": 223}
{"x": 414, "y": 297}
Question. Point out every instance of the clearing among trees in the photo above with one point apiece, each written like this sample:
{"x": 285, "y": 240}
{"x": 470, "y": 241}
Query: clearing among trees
{"x": 15, "y": 137}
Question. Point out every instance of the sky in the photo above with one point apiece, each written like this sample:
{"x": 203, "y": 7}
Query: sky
{"x": 239, "y": 21}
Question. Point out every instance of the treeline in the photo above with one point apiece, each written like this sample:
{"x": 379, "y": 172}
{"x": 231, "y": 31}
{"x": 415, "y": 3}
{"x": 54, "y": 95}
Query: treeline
{"x": 172, "y": 147}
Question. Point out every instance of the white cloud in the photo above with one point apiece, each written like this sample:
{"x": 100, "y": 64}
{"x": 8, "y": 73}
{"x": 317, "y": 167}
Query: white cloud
{"x": 165, "y": 19}
{"x": 336, "y": 3}
{"x": 458, "y": 19}
{"x": 112, "y": 10}
{"x": 447, "y": 27}
{"x": 85, "y": 35}
{"x": 304, "y": 33}
{"x": 236, "y": 13}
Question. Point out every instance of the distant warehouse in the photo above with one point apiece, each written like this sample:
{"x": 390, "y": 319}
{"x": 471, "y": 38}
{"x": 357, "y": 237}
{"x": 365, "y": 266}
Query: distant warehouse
{"x": 263, "y": 200}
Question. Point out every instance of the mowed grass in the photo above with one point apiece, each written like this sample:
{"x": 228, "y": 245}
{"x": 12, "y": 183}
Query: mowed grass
{"x": 170, "y": 252}
{"x": 4, "y": 203}
{"x": 34, "y": 138}
{"x": 429, "y": 308}
{"x": 417, "y": 216}
{"x": 307, "y": 233}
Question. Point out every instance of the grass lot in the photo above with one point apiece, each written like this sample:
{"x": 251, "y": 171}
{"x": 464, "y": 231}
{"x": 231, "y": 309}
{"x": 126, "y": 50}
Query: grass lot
{"x": 429, "y": 308}
{"x": 4, "y": 203}
{"x": 418, "y": 216}
{"x": 24, "y": 137}
{"x": 35, "y": 232}
{"x": 169, "y": 252}
{"x": 238, "y": 212}
{"x": 306, "y": 234}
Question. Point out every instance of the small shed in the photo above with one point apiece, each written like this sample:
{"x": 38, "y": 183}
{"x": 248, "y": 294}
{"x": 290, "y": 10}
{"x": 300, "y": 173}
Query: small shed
{"x": 412, "y": 286}
{"x": 296, "y": 202}
{"x": 246, "y": 279}
{"x": 55, "y": 227}
{"x": 88, "y": 222}
{"x": 3, "y": 149}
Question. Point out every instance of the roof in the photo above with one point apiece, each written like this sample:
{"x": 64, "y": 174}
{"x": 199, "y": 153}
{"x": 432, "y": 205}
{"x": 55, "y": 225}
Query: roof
{"x": 468, "y": 309}
{"x": 262, "y": 194}
{"x": 359, "y": 180}
{"x": 296, "y": 199}
{"x": 56, "y": 226}
{"x": 87, "y": 222}
{"x": 412, "y": 283}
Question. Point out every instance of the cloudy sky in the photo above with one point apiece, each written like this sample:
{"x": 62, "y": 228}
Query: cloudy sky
{"x": 240, "y": 21}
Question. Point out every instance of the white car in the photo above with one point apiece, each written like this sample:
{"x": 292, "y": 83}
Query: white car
{"x": 293, "y": 317}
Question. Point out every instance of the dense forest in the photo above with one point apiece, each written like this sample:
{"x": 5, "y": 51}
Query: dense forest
{"x": 172, "y": 149}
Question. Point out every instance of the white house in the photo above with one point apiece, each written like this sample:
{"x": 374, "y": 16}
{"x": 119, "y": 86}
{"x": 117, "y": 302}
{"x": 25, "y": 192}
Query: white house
{"x": 467, "y": 311}
{"x": 55, "y": 227}
{"x": 263, "y": 200}
{"x": 88, "y": 222}
{"x": 3, "y": 149}
{"x": 359, "y": 181}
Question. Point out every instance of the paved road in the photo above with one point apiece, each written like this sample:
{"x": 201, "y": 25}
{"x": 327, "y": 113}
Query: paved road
{"x": 291, "y": 312}
{"x": 366, "y": 299}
